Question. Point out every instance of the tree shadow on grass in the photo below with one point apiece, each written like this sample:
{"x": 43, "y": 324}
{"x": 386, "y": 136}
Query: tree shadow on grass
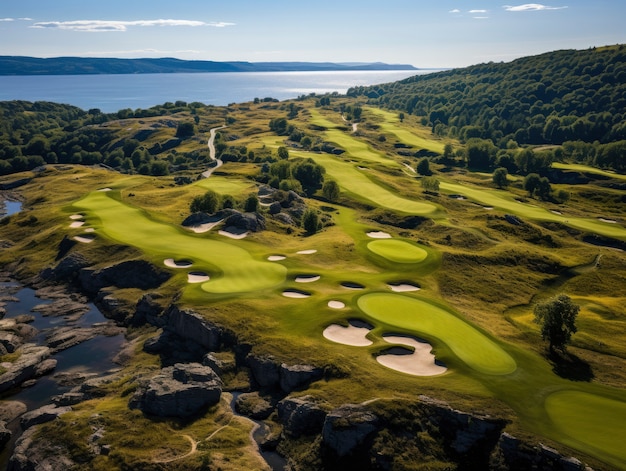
{"x": 569, "y": 366}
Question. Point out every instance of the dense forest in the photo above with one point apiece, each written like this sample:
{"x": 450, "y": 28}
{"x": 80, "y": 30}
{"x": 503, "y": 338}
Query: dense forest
{"x": 576, "y": 99}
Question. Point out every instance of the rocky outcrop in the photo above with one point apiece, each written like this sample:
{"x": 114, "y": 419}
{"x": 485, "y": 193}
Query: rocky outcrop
{"x": 29, "y": 365}
{"x": 254, "y": 406}
{"x": 32, "y": 453}
{"x": 294, "y": 377}
{"x": 42, "y": 415}
{"x": 192, "y": 326}
{"x": 254, "y": 222}
{"x": 301, "y": 416}
{"x": 347, "y": 430}
{"x": 130, "y": 274}
{"x": 149, "y": 311}
{"x": 182, "y": 390}
{"x": 68, "y": 268}
{"x": 266, "y": 373}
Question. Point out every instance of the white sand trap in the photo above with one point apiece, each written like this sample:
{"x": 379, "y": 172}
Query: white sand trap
{"x": 292, "y": 293}
{"x": 307, "y": 278}
{"x": 76, "y": 224}
{"x": 419, "y": 363}
{"x": 76, "y": 217}
{"x": 200, "y": 229}
{"x": 197, "y": 277}
{"x": 276, "y": 258}
{"x": 352, "y": 285}
{"x": 379, "y": 235}
{"x": 84, "y": 239}
{"x": 170, "y": 262}
{"x": 488, "y": 208}
{"x": 233, "y": 233}
{"x": 556, "y": 212}
{"x": 105, "y": 189}
{"x": 610, "y": 221}
{"x": 307, "y": 252}
{"x": 336, "y": 305}
{"x": 403, "y": 287}
{"x": 351, "y": 335}
{"x": 90, "y": 229}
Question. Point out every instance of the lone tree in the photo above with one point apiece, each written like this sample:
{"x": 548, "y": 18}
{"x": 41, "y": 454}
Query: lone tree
{"x": 206, "y": 203}
{"x": 557, "y": 317}
{"x": 430, "y": 184}
{"x": 423, "y": 167}
{"x": 331, "y": 190}
{"x": 499, "y": 177}
{"x": 310, "y": 221}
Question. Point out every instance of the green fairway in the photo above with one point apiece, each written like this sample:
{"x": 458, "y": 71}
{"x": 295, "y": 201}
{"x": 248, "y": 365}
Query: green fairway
{"x": 398, "y": 251}
{"x": 424, "y": 318}
{"x": 405, "y": 135}
{"x": 232, "y": 269}
{"x": 506, "y": 202}
{"x": 590, "y": 421}
{"x": 353, "y": 180}
{"x": 225, "y": 186}
{"x": 587, "y": 169}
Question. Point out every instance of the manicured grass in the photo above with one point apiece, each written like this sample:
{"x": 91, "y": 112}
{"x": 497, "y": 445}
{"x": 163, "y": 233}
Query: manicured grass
{"x": 355, "y": 181}
{"x": 505, "y": 201}
{"x": 391, "y": 124}
{"x": 225, "y": 186}
{"x": 587, "y": 169}
{"x": 232, "y": 268}
{"x": 590, "y": 422}
{"x": 424, "y": 318}
{"x": 398, "y": 251}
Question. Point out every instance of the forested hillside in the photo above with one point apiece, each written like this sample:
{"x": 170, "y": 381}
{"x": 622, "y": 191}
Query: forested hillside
{"x": 577, "y": 98}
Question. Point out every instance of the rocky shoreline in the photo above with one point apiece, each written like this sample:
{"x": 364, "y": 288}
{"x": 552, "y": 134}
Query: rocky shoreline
{"x": 199, "y": 360}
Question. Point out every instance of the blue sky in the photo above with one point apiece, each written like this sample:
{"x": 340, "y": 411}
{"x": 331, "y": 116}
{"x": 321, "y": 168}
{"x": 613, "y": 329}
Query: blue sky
{"x": 445, "y": 33}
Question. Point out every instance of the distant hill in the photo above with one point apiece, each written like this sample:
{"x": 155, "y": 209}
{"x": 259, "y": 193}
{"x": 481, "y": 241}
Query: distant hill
{"x": 19, "y": 65}
{"x": 567, "y": 95}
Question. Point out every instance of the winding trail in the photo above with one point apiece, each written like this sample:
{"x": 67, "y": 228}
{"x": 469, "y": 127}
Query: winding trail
{"x": 211, "y": 145}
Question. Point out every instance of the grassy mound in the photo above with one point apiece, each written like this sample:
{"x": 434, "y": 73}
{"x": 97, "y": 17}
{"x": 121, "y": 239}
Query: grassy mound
{"x": 398, "y": 251}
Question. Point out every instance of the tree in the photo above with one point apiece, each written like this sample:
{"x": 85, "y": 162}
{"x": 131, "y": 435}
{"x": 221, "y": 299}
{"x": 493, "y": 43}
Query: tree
{"x": 544, "y": 190}
{"x": 330, "y": 190}
{"x": 252, "y": 204}
{"x": 499, "y": 177}
{"x": 557, "y": 317}
{"x": 185, "y": 129}
{"x": 206, "y": 203}
{"x": 430, "y": 184}
{"x": 310, "y": 221}
{"x": 423, "y": 167}
{"x": 283, "y": 153}
{"x": 531, "y": 183}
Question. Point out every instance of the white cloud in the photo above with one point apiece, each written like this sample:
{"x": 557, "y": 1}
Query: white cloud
{"x": 25, "y": 19}
{"x": 480, "y": 17}
{"x": 110, "y": 25}
{"x": 478, "y": 11}
{"x": 456, "y": 10}
{"x": 531, "y": 7}
{"x": 7, "y": 19}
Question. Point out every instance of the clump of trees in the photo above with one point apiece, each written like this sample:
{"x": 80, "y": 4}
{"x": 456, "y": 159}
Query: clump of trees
{"x": 430, "y": 184}
{"x": 557, "y": 318}
{"x": 300, "y": 175}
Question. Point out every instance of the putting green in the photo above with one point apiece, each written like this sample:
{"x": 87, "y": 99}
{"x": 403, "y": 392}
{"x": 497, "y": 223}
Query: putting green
{"x": 237, "y": 271}
{"x": 505, "y": 202}
{"x": 398, "y": 250}
{"x": 429, "y": 320}
{"x": 591, "y": 421}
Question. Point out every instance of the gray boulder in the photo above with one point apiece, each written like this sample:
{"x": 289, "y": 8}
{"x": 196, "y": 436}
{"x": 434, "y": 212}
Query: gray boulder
{"x": 254, "y": 406}
{"x": 130, "y": 274}
{"x": 254, "y": 222}
{"x": 42, "y": 415}
{"x": 29, "y": 365}
{"x": 32, "y": 453}
{"x": 11, "y": 410}
{"x": 301, "y": 416}
{"x": 182, "y": 390}
{"x": 293, "y": 377}
{"x": 347, "y": 429}
{"x": 264, "y": 370}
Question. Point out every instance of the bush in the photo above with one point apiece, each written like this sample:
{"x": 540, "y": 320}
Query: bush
{"x": 206, "y": 203}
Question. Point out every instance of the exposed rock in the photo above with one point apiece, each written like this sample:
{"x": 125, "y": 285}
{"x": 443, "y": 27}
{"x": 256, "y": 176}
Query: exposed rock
{"x": 294, "y": 377}
{"x": 192, "y": 326}
{"x": 67, "y": 307}
{"x": 42, "y": 415}
{"x": 130, "y": 274}
{"x": 275, "y": 208}
{"x": 65, "y": 246}
{"x": 67, "y": 269}
{"x": 182, "y": 390}
{"x": 265, "y": 371}
{"x": 220, "y": 363}
{"x": 285, "y": 218}
{"x": 33, "y": 454}
{"x": 9, "y": 341}
{"x": 254, "y": 222}
{"x": 66, "y": 337}
{"x": 347, "y": 430}
{"x": 27, "y": 366}
{"x": 5, "y": 434}
{"x": 254, "y": 406}
{"x": 69, "y": 399}
{"x": 115, "y": 308}
{"x": 301, "y": 416}
{"x": 148, "y": 311}
{"x": 11, "y": 410}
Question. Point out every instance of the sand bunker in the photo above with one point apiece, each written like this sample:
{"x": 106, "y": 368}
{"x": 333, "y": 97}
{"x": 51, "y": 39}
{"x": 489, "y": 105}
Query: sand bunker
{"x": 276, "y": 258}
{"x": 233, "y": 233}
{"x": 105, "y": 189}
{"x": 379, "y": 235}
{"x": 75, "y": 217}
{"x": 306, "y": 252}
{"x": 610, "y": 221}
{"x": 84, "y": 239}
{"x": 76, "y": 224}
{"x": 336, "y": 305}
{"x": 559, "y": 213}
{"x": 201, "y": 228}
{"x": 170, "y": 262}
{"x": 197, "y": 277}
{"x": 307, "y": 278}
{"x": 353, "y": 335}
{"x": 294, "y": 293}
{"x": 420, "y": 362}
{"x": 403, "y": 287}
{"x": 90, "y": 229}
{"x": 352, "y": 285}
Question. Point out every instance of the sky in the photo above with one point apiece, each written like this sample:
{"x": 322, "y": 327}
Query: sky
{"x": 433, "y": 34}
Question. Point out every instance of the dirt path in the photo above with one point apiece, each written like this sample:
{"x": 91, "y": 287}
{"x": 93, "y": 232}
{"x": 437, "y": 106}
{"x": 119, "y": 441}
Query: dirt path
{"x": 194, "y": 449}
{"x": 211, "y": 145}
